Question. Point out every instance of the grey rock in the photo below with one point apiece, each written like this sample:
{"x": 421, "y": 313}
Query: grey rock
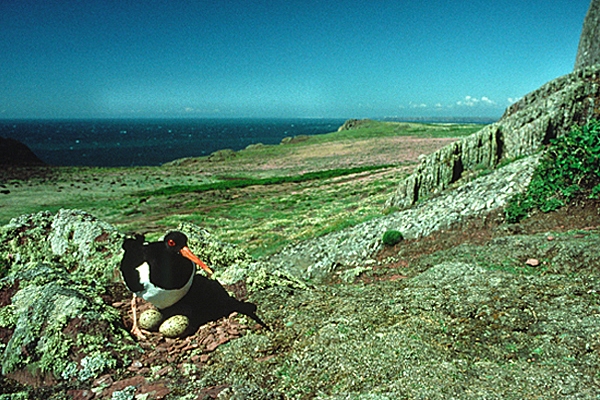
{"x": 588, "y": 52}
{"x": 58, "y": 266}
{"x": 318, "y": 258}
{"x": 47, "y": 303}
{"x": 74, "y": 239}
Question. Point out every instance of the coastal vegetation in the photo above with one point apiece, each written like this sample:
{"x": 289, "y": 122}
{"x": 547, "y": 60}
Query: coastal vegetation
{"x": 474, "y": 308}
{"x": 261, "y": 198}
{"x": 569, "y": 169}
{"x": 392, "y": 237}
{"x": 469, "y": 305}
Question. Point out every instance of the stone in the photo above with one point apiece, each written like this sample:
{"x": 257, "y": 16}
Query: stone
{"x": 317, "y": 259}
{"x": 54, "y": 316}
{"x": 15, "y": 153}
{"x": 532, "y": 262}
{"x": 588, "y": 52}
{"x": 58, "y": 266}
{"x": 526, "y": 126}
{"x": 78, "y": 241}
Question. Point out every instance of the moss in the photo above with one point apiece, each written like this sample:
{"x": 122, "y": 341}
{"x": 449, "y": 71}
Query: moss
{"x": 567, "y": 254}
{"x": 392, "y": 237}
{"x": 457, "y": 330}
{"x": 15, "y": 396}
{"x": 8, "y": 317}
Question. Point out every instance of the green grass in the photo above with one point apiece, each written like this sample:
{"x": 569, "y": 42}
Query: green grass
{"x": 265, "y": 219}
{"x": 377, "y": 129}
{"x": 260, "y": 198}
{"x": 514, "y": 267}
{"x": 236, "y": 183}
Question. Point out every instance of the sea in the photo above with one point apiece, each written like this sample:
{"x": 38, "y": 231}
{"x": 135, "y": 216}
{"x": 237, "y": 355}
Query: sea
{"x": 130, "y": 142}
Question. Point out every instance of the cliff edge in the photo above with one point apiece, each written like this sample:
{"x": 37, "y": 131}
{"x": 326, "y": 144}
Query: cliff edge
{"x": 588, "y": 52}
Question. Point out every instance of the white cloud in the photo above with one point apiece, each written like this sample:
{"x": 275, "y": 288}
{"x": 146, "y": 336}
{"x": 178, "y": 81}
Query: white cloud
{"x": 512, "y": 100}
{"x": 487, "y": 101}
{"x": 470, "y": 101}
{"x": 417, "y": 105}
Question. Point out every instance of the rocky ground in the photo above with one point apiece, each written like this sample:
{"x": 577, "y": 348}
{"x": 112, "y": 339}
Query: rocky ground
{"x": 466, "y": 307}
{"x": 193, "y": 368}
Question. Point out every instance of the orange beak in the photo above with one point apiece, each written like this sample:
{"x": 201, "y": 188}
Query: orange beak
{"x": 187, "y": 253}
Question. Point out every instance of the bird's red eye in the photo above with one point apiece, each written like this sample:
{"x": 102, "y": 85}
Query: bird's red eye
{"x": 171, "y": 243}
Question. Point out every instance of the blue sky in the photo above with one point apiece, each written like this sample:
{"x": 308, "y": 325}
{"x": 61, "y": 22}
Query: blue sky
{"x": 239, "y": 58}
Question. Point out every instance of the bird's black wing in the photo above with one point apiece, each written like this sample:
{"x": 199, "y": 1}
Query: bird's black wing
{"x": 133, "y": 258}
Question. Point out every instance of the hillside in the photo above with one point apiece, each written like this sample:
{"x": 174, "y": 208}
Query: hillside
{"x": 260, "y": 217}
{"x": 467, "y": 306}
{"x": 491, "y": 289}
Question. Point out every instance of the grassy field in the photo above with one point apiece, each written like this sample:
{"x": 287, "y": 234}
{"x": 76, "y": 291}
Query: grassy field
{"x": 261, "y": 198}
{"x": 483, "y": 309}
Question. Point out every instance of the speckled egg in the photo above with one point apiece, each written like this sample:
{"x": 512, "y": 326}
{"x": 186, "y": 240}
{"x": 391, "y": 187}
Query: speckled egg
{"x": 150, "y": 319}
{"x": 174, "y": 326}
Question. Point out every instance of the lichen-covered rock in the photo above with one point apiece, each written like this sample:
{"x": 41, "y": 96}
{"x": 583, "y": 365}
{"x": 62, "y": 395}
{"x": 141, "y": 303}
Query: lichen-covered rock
{"x": 588, "y": 52}
{"x": 56, "y": 268}
{"x": 61, "y": 328}
{"x": 352, "y": 248}
{"x": 55, "y": 324}
{"x": 74, "y": 239}
{"x": 468, "y": 326}
{"x": 232, "y": 264}
{"x": 217, "y": 254}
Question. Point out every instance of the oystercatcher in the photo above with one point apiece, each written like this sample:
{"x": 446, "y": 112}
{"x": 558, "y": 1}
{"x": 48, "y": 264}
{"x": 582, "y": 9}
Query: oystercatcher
{"x": 160, "y": 272}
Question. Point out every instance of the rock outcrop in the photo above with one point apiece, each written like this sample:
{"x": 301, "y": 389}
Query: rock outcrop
{"x": 347, "y": 252}
{"x": 353, "y": 124}
{"x": 54, "y": 323}
{"x": 57, "y": 323}
{"x": 588, "y": 52}
{"x": 15, "y": 153}
{"x": 524, "y": 129}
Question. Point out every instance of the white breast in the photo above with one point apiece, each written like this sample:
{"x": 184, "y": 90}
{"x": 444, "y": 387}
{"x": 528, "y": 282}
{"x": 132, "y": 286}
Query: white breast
{"x": 161, "y": 298}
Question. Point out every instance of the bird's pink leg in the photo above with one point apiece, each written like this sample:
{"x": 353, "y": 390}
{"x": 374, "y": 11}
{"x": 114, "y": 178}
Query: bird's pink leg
{"x": 135, "y": 330}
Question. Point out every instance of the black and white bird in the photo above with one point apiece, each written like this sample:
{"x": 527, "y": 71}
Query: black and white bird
{"x": 164, "y": 274}
{"x": 161, "y": 273}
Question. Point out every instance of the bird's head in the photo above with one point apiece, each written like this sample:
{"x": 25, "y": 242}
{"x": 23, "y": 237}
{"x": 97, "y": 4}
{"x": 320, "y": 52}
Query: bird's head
{"x": 176, "y": 242}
